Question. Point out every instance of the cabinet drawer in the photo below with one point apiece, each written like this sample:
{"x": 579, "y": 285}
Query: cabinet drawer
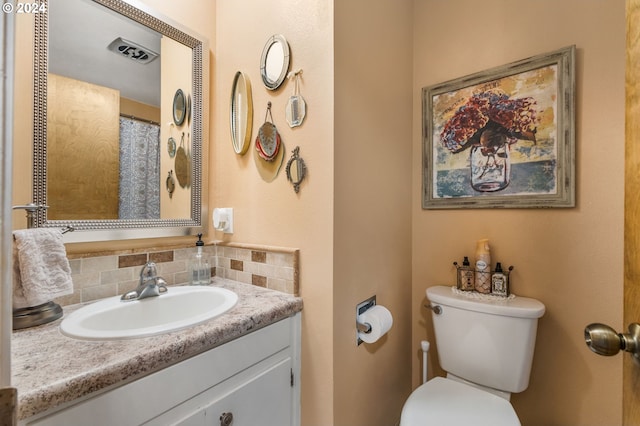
{"x": 265, "y": 400}
{"x": 262, "y": 398}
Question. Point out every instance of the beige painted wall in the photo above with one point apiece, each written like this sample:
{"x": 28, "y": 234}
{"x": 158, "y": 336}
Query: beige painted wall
{"x": 356, "y": 144}
{"x": 272, "y": 213}
{"x": 570, "y": 259}
{"x": 372, "y": 227}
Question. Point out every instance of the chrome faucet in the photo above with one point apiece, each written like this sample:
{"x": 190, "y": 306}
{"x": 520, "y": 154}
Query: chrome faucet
{"x": 150, "y": 284}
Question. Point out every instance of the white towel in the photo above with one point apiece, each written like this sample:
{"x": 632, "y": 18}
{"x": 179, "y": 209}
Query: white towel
{"x": 41, "y": 270}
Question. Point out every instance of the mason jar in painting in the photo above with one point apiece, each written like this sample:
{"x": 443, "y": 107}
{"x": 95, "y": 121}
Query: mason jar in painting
{"x": 490, "y": 168}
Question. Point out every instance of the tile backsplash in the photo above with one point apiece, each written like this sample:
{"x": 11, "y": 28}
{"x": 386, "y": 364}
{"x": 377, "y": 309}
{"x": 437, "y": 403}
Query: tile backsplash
{"x": 96, "y": 277}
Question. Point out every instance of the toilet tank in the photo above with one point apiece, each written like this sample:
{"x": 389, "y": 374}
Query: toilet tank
{"x": 487, "y": 342}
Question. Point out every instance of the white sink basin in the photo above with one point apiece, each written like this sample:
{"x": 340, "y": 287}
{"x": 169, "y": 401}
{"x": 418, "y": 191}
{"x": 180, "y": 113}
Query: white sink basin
{"x": 178, "y": 308}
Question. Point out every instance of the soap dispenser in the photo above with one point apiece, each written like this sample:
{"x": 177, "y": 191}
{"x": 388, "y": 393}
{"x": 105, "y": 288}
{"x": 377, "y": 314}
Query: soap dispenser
{"x": 199, "y": 268}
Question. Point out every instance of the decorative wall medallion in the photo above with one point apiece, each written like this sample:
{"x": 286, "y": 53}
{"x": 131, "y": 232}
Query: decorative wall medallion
{"x": 268, "y": 140}
{"x": 171, "y": 147}
{"x": 182, "y": 164}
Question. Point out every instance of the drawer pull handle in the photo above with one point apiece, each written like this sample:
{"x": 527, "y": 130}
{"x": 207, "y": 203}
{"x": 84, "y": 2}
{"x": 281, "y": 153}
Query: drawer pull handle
{"x": 226, "y": 419}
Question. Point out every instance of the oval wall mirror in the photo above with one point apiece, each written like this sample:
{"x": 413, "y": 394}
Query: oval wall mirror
{"x": 296, "y": 169}
{"x": 179, "y": 107}
{"x": 275, "y": 60}
{"x": 241, "y": 113}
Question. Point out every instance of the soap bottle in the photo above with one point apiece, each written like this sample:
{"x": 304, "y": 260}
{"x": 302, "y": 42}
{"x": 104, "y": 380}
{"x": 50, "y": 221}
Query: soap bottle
{"x": 465, "y": 276}
{"x": 199, "y": 269}
{"x": 499, "y": 282}
{"x": 483, "y": 267}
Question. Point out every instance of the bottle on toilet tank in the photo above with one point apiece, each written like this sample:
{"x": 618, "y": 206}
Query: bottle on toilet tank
{"x": 499, "y": 282}
{"x": 483, "y": 267}
{"x": 466, "y": 280}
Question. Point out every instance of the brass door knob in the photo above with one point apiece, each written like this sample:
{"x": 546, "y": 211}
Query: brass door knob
{"x": 604, "y": 340}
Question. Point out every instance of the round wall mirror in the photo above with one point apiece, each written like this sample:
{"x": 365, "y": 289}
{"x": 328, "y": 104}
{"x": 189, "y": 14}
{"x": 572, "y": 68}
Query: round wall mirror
{"x": 179, "y": 107}
{"x": 274, "y": 63}
{"x": 241, "y": 113}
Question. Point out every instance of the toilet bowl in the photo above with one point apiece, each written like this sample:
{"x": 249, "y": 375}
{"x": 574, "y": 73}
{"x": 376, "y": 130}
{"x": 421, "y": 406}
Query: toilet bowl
{"x": 485, "y": 344}
{"x": 443, "y": 401}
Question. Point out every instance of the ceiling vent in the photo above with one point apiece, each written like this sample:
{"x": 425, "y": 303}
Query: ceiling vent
{"x": 132, "y": 51}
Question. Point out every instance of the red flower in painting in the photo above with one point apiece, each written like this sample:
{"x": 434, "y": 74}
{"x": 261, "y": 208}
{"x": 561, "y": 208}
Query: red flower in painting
{"x": 505, "y": 121}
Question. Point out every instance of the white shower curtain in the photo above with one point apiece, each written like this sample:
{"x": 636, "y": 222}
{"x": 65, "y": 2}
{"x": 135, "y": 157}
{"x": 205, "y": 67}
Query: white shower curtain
{"x": 139, "y": 196}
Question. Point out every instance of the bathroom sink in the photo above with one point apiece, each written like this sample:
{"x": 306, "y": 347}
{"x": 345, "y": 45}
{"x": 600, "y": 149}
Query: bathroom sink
{"x": 178, "y": 308}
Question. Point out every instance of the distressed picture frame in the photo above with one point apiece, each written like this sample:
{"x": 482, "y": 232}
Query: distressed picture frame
{"x": 502, "y": 138}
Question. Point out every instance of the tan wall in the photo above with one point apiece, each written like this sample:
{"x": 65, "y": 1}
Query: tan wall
{"x": 139, "y": 110}
{"x": 272, "y": 213}
{"x": 372, "y": 229}
{"x": 570, "y": 259}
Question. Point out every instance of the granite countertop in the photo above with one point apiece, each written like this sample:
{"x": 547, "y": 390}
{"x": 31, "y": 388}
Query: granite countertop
{"x": 50, "y": 369}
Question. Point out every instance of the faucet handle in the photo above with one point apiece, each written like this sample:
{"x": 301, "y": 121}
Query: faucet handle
{"x": 162, "y": 285}
{"x": 149, "y": 271}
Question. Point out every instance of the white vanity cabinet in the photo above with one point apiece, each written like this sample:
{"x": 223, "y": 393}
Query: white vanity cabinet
{"x": 252, "y": 380}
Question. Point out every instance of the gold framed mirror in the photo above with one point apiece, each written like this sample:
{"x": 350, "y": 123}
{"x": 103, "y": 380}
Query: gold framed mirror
{"x": 241, "y": 113}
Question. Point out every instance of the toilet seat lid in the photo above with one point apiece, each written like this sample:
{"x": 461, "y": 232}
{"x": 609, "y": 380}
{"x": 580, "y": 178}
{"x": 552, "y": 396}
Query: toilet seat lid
{"x": 443, "y": 401}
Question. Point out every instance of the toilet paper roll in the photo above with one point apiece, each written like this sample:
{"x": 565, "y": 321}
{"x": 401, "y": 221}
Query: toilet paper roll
{"x": 380, "y": 320}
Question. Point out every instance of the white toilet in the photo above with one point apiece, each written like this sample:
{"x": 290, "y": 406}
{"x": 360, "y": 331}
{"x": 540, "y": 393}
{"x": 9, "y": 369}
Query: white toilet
{"x": 486, "y": 347}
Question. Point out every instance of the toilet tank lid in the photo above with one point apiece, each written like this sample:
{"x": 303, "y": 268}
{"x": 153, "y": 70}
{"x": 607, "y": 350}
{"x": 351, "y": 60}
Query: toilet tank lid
{"x": 521, "y": 307}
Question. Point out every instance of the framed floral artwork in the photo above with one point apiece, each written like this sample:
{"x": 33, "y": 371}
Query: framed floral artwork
{"x": 503, "y": 137}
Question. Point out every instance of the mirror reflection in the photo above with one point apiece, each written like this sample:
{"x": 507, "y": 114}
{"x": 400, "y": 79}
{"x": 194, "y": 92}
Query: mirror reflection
{"x": 275, "y": 57}
{"x": 110, "y": 79}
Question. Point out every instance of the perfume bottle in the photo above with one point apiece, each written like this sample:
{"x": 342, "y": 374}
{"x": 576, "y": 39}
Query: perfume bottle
{"x": 499, "y": 282}
{"x": 465, "y": 276}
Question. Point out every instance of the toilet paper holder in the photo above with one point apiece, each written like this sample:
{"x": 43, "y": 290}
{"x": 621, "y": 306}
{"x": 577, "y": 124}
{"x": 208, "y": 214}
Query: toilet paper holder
{"x": 363, "y": 327}
{"x": 362, "y": 307}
